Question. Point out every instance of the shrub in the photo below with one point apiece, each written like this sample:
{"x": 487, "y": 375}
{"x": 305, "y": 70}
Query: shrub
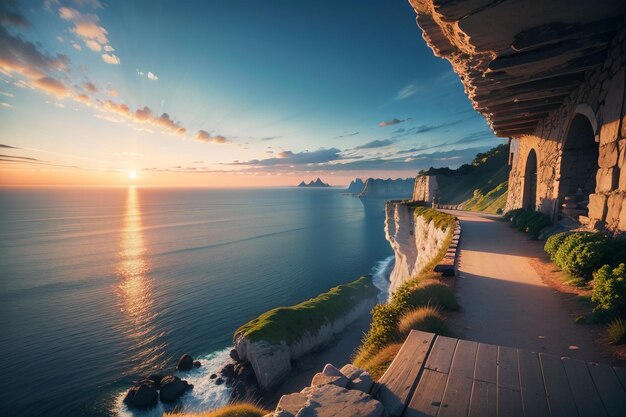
{"x": 537, "y": 223}
{"x": 377, "y": 364}
{"x": 570, "y": 242}
{"x": 554, "y": 242}
{"x": 609, "y": 290}
{"x": 233, "y": 410}
{"x": 426, "y": 319}
{"x": 616, "y": 331}
{"x": 384, "y": 328}
{"x": 587, "y": 257}
{"x": 426, "y": 292}
{"x": 509, "y": 215}
{"x": 443, "y": 221}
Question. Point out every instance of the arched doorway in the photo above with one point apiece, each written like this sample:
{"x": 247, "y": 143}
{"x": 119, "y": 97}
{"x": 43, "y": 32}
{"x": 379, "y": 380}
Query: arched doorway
{"x": 530, "y": 182}
{"x": 579, "y": 165}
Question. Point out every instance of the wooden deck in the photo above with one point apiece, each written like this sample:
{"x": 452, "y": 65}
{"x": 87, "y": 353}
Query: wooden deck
{"x": 441, "y": 376}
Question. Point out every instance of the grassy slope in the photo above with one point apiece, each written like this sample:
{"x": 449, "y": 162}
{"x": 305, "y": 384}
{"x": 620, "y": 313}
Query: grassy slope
{"x": 289, "y": 323}
{"x": 480, "y": 186}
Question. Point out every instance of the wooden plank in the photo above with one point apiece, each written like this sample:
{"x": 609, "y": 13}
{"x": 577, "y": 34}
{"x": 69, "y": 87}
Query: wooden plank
{"x": 620, "y": 371}
{"x": 586, "y": 397}
{"x": 509, "y": 393}
{"x": 458, "y": 391}
{"x": 484, "y": 390}
{"x": 426, "y": 400}
{"x": 560, "y": 398}
{"x": 534, "y": 399}
{"x": 611, "y": 393}
{"x": 440, "y": 357}
{"x": 397, "y": 384}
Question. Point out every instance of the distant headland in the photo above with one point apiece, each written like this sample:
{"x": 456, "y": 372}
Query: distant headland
{"x": 317, "y": 183}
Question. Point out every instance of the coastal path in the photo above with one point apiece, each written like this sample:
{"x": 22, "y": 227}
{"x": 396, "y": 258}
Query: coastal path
{"x": 503, "y": 298}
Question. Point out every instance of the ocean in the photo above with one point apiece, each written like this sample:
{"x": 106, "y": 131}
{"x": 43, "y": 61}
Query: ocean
{"x": 101, "y": 286}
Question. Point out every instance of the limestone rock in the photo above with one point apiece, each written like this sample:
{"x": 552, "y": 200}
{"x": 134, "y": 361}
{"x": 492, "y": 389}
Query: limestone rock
{"x": 614, "y": 208}
{"x": 612, "y": 109}
{"x": 622, "y": 218}
{"x": 185, "y": 363}
{"x": 328, "y": 401}
{"x": 351, "y": 371}
{"x": 608, "y": 155}
{"x": 597, "y": 206}
{"x": 323, "y": 379}
{"x": 607, "y": 179}
{"x": 359, "y": 379}
{"x": 330, "y": 370}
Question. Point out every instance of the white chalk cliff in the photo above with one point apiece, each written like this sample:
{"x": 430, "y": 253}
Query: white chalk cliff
{"x": 414, "y": 242}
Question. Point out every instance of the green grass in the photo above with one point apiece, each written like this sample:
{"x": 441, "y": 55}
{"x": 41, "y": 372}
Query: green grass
{"x": 233, "y": 410}
{"x": 490, "y": 202}
{"x": 289, "y": 323}
{"x": 443, "y": 221}
{"x": 378, "y": 363}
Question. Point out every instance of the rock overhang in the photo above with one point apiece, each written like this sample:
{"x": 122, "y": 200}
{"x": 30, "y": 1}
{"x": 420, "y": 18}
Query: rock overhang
{"x": 519, "y": 59}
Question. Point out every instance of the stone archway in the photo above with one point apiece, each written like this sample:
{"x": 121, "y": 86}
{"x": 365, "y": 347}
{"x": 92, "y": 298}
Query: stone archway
{"x": 579, "y": 166}
{"x": 529, "y": 201}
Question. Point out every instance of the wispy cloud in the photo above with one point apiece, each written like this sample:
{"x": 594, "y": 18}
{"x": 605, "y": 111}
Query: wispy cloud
{"x": 289, "y": 158}
{"x": 375, "y": 144}
{"x": 407, "y": 91}
{"x": 152, "y": 76}
{"x": 392, "y": 122}
{"x": 348, "y": 135}
{"x": 6, "y": 105}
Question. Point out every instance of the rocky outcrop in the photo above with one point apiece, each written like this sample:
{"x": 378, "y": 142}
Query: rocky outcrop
{"x": 317, "y": 183}
{"x": 356, "y": 186}
{"x": 273, "y": 361}
{"x": 334, "y": 393}
{"x": 392, "y": 189}
{"x": 425, "y": 188}
{"x": 414, "y": 241}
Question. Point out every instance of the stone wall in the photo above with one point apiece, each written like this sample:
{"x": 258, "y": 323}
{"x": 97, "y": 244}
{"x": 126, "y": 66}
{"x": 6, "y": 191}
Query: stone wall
{"x": 600, "y": 98}
{"x": 425, "y": 188}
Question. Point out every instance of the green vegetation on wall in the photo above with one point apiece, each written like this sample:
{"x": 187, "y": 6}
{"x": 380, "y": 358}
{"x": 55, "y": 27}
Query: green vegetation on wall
{"x": 290, "y": 323}
{"x": 443, "y": 221}
{"x": 480, "y": 186}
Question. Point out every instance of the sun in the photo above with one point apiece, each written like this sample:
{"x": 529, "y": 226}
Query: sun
{"x": 132, "y": 175}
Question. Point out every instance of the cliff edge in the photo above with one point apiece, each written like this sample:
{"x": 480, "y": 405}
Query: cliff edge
{"x": 378, "y": 188}
{"x": 276, "y": 338}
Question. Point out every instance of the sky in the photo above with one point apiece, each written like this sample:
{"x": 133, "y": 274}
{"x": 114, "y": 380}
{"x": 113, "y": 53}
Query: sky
{"x": 225, "y": 94}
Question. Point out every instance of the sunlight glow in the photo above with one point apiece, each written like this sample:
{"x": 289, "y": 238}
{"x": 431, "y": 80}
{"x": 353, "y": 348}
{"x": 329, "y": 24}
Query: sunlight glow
{"x": 132, "y": 175}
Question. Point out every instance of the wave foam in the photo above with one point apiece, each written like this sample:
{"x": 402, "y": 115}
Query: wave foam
{"x": 380, "y": 277}
{"x": 205, "y": 395}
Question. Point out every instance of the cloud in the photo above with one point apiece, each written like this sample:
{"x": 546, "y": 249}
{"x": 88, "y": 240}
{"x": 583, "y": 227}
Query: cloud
{"x": 348, "y": 134}
{"x": 268, "y": 138}
{"x": 392, "y": 122}
{"x": 111, "y": 59}
{"x": 407, "y": 91}
{"x": 52, "y": 86}
{"x": 93, "y": 45}
{"x": 204, "y": 136}
{"x": 85, "y": 25}
{"x": 375, "y": 144}
{"x": 7, "y": 105}
{"x": 289, "y": 158}
{"x": 76, "y": 46}
{"x": 90, "y": 87}
{"x": 108, "y": 48}
{"x": 152, "y": 76}
{"x": 112, "y": 92}
{"x": 12, "y": 17}
{"x": 7, "y": 146}
{"x": 4, "y": 93}
{"x": 24, "y": 58}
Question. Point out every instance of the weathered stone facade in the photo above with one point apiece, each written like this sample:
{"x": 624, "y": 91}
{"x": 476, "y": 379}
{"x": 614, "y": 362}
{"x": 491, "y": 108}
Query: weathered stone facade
{"x": 425, "y": 188}
{"x": 600, "y": 99}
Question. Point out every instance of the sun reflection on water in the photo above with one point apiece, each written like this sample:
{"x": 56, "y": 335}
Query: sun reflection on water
{"x": 136, "y": 295}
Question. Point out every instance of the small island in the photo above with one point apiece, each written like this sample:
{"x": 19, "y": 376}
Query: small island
{"x": 317, "y": 183}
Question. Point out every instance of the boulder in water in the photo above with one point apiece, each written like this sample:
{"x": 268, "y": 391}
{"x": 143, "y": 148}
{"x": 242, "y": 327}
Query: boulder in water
{"x": 185, "y": 363}
{"x": 234, "y": 355}
{"x": 142, "y": 395}
{"x": 172, "y": 387}
{"x": 196, "y": 364}
{"x": 156, "y": 378}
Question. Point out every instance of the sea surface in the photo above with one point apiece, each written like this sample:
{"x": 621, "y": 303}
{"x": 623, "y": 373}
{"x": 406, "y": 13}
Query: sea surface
{"x": 99, "y": 287}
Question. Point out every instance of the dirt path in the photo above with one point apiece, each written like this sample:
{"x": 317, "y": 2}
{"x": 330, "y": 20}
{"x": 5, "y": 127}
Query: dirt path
{"x": 504, "y": 300}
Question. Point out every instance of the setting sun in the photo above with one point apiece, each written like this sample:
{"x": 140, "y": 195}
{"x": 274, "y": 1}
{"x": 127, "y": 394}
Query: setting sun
{"x": 132, "y": 175}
